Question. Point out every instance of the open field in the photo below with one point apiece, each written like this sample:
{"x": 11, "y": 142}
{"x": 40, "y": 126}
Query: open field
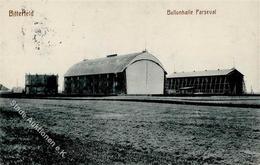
{"x": 105, "y": 132}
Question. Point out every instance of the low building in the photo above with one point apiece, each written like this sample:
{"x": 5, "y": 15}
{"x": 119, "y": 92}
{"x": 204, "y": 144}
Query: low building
{"x": 225, "y": 81}
{"x": 136, "y": 73}
{"x": 17, "y": 90}
{"x": 3, "y": 88}
{"x": 41, "y": 84}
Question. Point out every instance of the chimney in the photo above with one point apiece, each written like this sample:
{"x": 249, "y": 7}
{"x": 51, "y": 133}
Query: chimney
{"x": 112, "y": 55}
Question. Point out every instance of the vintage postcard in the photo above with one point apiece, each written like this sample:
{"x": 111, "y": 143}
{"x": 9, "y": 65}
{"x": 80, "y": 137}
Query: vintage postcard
{"x": 130, "y": 82}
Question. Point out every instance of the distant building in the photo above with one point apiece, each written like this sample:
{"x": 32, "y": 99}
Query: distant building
{"x": 226, "y": 81}
{"x": 137, "y": 73}
{"x": 3, "y": 88}
{"x": 17, "y": 90}
{"x": 41, "y": 84}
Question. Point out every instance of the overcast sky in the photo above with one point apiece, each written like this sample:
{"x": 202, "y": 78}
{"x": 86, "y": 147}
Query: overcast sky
{"x": 63, "y": 33}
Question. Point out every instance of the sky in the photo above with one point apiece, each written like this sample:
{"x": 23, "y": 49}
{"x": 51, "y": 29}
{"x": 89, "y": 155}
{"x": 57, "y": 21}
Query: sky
{"x": 62, "y": 33}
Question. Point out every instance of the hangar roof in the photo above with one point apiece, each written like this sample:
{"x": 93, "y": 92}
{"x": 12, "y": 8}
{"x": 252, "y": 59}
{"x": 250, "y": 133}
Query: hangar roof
{"x": 109, "y": 64}
{"x": 219, "y": 72}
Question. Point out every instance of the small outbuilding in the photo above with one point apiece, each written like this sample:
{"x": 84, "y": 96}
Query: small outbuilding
{"x": 41, "y": 84}
{"x": 3, "y": 88}
{"x": 136, "y": 73}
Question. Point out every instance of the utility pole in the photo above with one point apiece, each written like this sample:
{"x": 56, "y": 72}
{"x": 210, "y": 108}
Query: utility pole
{"x": 252, "y": 91}
{"x": 234, "y": 63}
{"x": 173, "y": 55}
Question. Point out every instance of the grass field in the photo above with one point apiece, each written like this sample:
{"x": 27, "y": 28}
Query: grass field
{"x": 107, "y": 132}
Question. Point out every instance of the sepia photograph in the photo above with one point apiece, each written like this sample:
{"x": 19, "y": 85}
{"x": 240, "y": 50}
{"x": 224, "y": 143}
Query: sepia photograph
{"x": 145, "y": 82}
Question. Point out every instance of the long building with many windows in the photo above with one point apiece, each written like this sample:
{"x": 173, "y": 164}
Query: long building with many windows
{"x": 225, "y": 81}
